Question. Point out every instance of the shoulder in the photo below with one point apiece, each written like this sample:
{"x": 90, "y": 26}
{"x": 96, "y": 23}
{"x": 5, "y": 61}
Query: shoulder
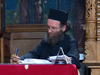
{"x": 69, "y": 38}
{"x": 43, "y": 41}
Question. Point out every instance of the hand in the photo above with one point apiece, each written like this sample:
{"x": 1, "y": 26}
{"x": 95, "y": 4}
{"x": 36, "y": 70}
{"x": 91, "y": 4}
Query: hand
{"x": 14, "y": 59}
{"x": 69, "y": 59}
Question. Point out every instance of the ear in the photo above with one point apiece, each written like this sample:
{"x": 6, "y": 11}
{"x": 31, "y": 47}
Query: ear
{"x": 64, "y": 28}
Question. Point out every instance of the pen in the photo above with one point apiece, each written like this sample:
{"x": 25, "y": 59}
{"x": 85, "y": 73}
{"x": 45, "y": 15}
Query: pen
{"x": 16, "y": 52}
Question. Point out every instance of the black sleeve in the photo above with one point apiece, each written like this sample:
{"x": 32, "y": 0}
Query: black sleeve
{"x": 76, "y": 62}
{"x": 74, "y": 53}
{"x": 35, "y": 53}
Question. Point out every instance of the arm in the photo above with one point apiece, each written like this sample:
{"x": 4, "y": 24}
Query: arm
{"x": 73, "y": 52}
{"x": 35, "y": 53}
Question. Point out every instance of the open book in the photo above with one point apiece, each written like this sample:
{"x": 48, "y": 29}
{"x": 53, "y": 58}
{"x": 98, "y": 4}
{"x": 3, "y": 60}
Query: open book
{"x": 34, "y": 61}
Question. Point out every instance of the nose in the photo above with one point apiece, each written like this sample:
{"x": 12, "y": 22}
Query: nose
{"x": 49, "y": 30}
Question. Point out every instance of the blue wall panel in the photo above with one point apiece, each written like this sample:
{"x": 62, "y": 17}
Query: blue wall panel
{"x": 11, "y": 4}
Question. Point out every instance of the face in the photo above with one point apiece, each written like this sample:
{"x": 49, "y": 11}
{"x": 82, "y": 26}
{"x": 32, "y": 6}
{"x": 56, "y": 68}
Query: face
{"x": 53, "y": 28}
{"x": 54, "y": 32}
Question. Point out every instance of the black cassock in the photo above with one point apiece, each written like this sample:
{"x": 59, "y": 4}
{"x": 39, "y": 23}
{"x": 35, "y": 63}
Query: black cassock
{"x": 44, "y": 50}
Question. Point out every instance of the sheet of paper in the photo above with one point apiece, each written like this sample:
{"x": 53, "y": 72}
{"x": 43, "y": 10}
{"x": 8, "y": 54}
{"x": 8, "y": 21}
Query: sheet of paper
{"x": 34, "y": 61}
{"x": 54, "y": 57}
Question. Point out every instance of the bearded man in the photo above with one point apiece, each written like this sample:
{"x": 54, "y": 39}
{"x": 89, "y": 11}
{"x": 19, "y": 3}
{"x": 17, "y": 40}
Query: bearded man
{"x": 57, "y": 26}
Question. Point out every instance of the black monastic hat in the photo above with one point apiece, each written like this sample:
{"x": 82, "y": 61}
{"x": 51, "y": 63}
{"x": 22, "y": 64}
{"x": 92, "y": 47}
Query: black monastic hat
{"x": 58, "y": 15}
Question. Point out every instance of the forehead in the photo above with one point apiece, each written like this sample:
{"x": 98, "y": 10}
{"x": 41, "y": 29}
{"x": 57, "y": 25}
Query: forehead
{"x": 54, "y": 23}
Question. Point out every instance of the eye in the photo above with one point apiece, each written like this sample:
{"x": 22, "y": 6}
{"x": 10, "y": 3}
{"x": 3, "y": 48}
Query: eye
{"x": 53, "y": 28}
{"x": 48, "y": 27}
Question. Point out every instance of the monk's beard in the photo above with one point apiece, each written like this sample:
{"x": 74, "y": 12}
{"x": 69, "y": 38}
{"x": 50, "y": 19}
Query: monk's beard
{"x": 54, "y": 38}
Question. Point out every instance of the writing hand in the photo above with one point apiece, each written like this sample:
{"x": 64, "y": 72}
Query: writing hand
{"x": 14, "y": 59}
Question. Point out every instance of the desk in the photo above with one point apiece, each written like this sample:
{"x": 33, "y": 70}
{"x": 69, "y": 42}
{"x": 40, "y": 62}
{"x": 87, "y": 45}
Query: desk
{"x": 38, "y": 70}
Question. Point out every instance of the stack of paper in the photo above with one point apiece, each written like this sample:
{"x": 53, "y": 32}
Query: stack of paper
{"x": 60, "y": 58}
